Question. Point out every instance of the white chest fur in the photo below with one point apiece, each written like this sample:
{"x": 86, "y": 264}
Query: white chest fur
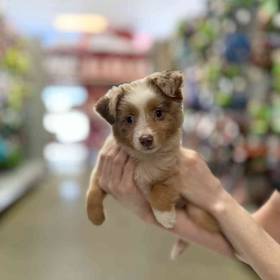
{"x": 154, "y": 169}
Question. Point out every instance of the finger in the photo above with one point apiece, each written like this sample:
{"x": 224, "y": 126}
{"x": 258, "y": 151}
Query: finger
{"x": 109, "y": 145}
{"x": 101, "y": 170}
{"x": 108, "y": 165}
{"x": 146, "y": 214}
{"x": 129, "y": 174}
{"x": 105, "y": 167}
{"x": 128, "y": 168}
{"x": 129, "y": 165}
{"x": 103, "y": 156}
{"x": 127, "y": 180}
{"x": 99, "y": 165}
{"x": 188, "y": 230}
{"x": 119, "y": 164}
{"x": 111, "y": 152}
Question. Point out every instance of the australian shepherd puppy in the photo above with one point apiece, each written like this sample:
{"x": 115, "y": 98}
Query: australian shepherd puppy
{"x": 146, "y": 117}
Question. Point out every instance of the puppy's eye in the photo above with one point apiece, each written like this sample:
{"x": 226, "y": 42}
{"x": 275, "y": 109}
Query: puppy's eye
{"x": 129, "y": 119}
{"x": 159, "y": 114}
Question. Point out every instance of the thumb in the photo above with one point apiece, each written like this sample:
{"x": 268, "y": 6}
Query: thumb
{"x": 129, "y": 168}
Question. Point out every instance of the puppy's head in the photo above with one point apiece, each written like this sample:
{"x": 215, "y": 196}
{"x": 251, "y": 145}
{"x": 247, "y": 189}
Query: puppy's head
{"x": 146, "y": 113}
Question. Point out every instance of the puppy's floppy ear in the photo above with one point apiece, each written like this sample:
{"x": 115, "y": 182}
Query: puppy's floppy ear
{"x": 103, "y": 109}
{"x": 106, "y": 106}
{"x": 169, "y": 83}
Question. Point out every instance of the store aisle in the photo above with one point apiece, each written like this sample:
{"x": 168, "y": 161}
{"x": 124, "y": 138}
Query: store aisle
{"x": 47, "y": 236}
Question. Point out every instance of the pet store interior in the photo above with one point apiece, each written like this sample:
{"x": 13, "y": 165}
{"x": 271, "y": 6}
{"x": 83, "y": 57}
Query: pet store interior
{"x": 58, "y": 57}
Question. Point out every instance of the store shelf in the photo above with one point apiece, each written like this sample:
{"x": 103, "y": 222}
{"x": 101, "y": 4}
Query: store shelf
{"x": 14, "y": 184}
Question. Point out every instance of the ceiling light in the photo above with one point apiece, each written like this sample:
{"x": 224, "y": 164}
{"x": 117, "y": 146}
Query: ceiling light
{"x": 83, "y": 23}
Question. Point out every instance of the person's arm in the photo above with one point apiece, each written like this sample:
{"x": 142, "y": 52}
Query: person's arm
{"x": 249, "y": 239}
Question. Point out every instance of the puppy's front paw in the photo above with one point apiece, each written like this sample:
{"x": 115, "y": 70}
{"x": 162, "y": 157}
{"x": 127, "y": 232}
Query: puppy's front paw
{"x": 166, "y": 218}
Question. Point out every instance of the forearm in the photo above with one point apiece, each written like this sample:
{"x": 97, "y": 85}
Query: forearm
{"x": 250, "y": 241}
{"x": 268, "y": 216}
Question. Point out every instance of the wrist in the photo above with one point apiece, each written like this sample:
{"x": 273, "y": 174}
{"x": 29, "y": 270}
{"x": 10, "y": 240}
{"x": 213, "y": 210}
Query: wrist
{"x": 221, "y": 204}
{"x": 214, "y": 195}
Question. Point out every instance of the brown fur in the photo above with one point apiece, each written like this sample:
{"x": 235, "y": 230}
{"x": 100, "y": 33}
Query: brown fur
{"x": 121, "y": 130}
{"x": 102, "y": 108}
{"x": 107, "y": 105}
{"x": 162, "y": 197}
{"x": 172, "y": 117}
{"x": 95, "y": 197}
{"x": 168, "y": 83}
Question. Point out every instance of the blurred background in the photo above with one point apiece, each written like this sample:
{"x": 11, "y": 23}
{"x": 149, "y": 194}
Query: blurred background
{"x": 58, "y": 57}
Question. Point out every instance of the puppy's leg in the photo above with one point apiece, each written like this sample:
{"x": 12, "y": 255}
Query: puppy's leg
{"x": 95, "y": 197}
{"x": 202, "y": 218}
{"x": 178, "y": 248}
{"x": 162, "y": 199}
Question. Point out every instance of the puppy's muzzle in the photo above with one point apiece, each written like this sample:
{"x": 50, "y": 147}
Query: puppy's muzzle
{"x": 146, "y": 141}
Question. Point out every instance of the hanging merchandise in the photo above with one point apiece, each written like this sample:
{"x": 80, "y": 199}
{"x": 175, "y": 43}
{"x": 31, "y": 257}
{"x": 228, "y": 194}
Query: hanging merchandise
{"x": 231, "y": 57}
{"x": 237, "y": 48}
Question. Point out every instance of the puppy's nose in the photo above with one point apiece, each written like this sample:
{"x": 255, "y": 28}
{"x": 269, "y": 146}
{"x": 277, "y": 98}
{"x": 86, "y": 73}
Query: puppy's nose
{"x": 146, "y": 140}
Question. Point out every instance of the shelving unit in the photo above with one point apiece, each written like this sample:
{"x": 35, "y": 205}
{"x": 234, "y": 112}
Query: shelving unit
{"x": 18, "y": 170}
{"x": 17, "y": 182}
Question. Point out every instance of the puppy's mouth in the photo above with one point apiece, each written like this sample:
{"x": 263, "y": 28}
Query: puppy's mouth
{"x": 149, "y": 150}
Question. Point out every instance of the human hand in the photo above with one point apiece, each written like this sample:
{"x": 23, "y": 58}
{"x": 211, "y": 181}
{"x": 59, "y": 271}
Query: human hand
{"x": 197, "y": 183}
{"x": 115, "y": 175}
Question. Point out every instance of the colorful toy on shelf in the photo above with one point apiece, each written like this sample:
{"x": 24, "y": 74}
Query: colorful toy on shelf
{"x": 237, "y": 48}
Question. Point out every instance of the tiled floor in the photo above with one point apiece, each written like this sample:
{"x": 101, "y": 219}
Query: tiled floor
{"x": 46, "y": 236}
